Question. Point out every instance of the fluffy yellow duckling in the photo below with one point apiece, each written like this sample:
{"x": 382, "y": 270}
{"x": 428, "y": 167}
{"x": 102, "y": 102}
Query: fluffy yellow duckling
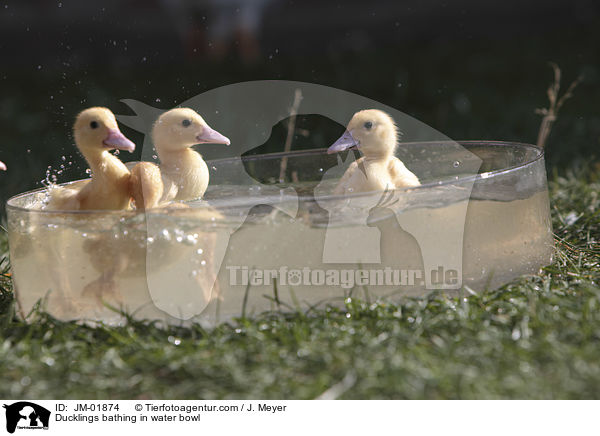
{"x": 183, "y": 174}
{"x": 2, "y": 166}
{"x": 96, "y": 132}
{"x": 374, "y": 134}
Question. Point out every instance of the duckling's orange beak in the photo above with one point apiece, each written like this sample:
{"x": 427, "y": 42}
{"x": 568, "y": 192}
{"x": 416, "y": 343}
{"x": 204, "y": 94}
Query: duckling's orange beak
{"x": 211, "y": 136}
{"x": 345, "y": 142}
{"x": 2, "y": 166}
{"x": 117, "y": 140}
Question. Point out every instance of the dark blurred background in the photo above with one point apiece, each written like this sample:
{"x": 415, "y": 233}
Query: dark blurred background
{"x": 470, "y": 69}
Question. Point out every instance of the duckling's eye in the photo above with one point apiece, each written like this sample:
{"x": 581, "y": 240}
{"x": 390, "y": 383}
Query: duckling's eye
{"x": 368, "y": 125}
{"x": 94, "y": 124}
{"x": 186, "y": 123}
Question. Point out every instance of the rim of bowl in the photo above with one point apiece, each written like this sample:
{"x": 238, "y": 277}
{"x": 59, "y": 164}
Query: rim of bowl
{"x": 539, "y": 154}
{"x": 488, "y": 175}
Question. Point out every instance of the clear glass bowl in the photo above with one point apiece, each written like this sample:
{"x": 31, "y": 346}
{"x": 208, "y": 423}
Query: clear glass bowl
{"x": 250, "y": 248}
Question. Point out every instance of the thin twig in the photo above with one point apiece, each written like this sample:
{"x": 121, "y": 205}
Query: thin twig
{"x": 556, "y": 103}
{"x": 290, "y": 133}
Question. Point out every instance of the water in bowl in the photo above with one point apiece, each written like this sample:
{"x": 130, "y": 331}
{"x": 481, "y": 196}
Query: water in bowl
{"x": 238, "y": 253}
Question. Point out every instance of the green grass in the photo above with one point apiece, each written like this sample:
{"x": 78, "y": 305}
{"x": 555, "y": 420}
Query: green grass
{"x": 534, "y": 338}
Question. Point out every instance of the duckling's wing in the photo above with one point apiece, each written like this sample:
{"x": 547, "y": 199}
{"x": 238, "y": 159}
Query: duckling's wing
{"x": 400, "y": 175}
{"x": 78, "y": 185}
{"x": 62, "y": 198}
{"x": 146, "y": 185}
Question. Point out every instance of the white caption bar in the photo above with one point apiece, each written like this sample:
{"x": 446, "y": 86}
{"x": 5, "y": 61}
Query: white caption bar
{"x": 23, "y": 417}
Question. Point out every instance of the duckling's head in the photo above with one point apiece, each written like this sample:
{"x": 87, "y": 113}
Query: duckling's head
{"x": 2, "y": 166}
{"x": 372, "y": 131}
{"x": 181, "y": 128}
{"x": 96, "y": 130}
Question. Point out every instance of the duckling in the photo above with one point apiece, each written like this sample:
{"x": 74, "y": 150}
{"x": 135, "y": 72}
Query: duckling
{"x": 183, "y": 174}
{"x": 374, "y": 134}
{"x": 96, "y": 132}
{"x": 2, "y": 166}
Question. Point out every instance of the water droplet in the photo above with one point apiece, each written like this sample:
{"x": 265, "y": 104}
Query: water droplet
{"x": 173, "y": 340}
{"x": 456, "y": 164}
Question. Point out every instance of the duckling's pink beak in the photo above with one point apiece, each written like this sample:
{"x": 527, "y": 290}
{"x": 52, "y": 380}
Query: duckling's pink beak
{"x": 345, "y": 142}
{"x": 117, "y": 140}
{"x": 211, "y": 136}
{"x": 2, "y": 166}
